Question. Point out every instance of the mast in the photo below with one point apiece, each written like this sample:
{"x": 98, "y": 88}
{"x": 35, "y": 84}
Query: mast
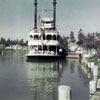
{"x": 35, "y": 14}
{"x": 54, "y": 13}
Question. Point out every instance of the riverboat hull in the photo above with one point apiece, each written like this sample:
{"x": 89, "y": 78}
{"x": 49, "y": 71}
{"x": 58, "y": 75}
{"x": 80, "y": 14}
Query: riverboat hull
{"x": 41, "y": 57}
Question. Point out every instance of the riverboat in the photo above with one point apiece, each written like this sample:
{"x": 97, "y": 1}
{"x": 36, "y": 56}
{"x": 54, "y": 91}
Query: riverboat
{"x": 45, "y": 41}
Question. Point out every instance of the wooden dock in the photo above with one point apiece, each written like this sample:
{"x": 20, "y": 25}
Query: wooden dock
{"x": 74, "y": 55}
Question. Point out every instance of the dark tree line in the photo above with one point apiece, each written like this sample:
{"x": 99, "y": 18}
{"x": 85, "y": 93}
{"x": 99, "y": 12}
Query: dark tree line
{"x": 8, "y": 42}
{"x": 91, "y": 40}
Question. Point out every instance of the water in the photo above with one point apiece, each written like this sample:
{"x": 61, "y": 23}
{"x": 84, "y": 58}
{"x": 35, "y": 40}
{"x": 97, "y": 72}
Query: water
{"x": 39, "y": 80}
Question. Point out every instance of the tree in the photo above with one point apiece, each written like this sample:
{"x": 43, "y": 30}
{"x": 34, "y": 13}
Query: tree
{"x": 81, "y": 37}
{"x": 72, "y": 38}
{"x": 2, "y": 41}
{"x": 8, "y": 42}
{"x": 90, "y": 37}
{"x": 21, "y": 42}
{"x": 65, "y": 43}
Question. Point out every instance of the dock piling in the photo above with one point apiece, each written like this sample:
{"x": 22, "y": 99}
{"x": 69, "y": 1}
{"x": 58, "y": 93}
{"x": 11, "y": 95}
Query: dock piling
{"x": 64, "y": 92}
{"x": 95, "y": 72}
{"x": 92, "y": 87}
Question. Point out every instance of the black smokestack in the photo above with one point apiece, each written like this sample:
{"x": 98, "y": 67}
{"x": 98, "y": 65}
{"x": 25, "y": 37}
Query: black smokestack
{"x": 35, "y": 14}
{"x": 54, "y": 13}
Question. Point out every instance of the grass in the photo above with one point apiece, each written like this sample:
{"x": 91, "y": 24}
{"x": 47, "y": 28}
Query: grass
{"x": 94, "y": 59}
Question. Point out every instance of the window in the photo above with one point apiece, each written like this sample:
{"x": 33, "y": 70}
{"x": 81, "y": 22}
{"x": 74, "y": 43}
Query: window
{"x": 54, "y": 37}
{"x": 36, "y": 37}
{"x": 49, "y": 37}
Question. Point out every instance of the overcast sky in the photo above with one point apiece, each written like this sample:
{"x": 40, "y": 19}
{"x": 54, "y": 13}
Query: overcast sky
{"x": 17, "y": 16}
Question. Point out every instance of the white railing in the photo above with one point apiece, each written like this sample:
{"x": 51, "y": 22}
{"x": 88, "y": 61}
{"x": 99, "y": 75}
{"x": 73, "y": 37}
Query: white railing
{"x": 44, "y": 42}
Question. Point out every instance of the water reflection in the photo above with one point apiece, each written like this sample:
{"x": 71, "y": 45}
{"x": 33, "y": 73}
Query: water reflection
{"x": 39, "y": 80}
{"x": 74, "y": 76}
{"x": 44, "y": 77}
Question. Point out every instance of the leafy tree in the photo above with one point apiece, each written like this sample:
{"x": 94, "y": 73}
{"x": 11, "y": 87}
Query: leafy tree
{"x": 81, "y": 37}
{"x": 65, "y": 42}
{"x": 8, "y": 42}
{"x": 72, "y": 38}
{"x": 2, "y": 41}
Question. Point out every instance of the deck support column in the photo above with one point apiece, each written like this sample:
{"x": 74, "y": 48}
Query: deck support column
{"x": 56, "y": 50}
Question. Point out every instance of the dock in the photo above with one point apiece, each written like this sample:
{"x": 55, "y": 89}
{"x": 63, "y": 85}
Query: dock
{"x": 96, "y": 95}
{"x": 74, "y": 55}
{"x": 95, "y": 86}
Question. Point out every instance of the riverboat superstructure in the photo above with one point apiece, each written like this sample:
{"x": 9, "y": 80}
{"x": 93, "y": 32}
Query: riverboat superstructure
{"x": 45, "y": 41}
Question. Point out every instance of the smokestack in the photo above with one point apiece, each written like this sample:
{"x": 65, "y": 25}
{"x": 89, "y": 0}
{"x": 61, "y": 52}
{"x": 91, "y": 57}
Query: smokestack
{"x": 54, "y": 13}
{"x": 35, "y": 14}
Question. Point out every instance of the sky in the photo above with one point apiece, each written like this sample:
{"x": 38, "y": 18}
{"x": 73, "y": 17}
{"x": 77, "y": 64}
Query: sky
{"x": 17, "y": 16}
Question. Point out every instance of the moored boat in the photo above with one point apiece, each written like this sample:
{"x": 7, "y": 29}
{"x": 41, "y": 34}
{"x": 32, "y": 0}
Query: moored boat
{"x": 45, "y": 41}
